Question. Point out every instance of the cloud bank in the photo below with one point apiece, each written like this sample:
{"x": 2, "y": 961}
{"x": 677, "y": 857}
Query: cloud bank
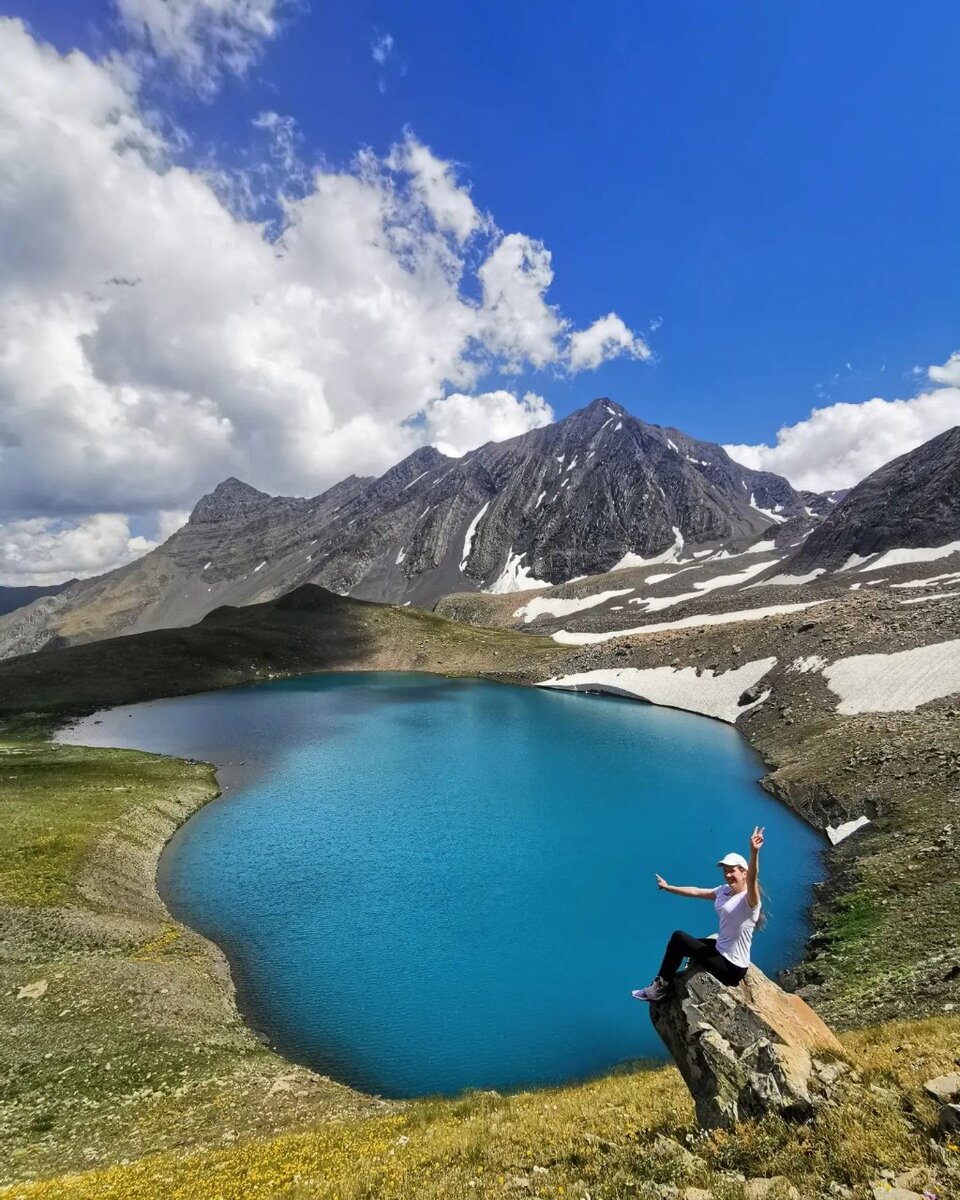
{"x": 164, "y": 326}
{"x": 837, "y": 446}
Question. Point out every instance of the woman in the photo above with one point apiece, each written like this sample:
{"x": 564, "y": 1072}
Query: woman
{"x": 737, "y": 902}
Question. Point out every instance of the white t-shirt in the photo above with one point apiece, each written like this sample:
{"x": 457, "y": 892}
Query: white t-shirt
{"x": 737, "y": 923}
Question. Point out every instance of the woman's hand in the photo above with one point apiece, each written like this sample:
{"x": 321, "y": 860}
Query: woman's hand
{"x": 661, "y": 882}
{"x": 756, "y": 838}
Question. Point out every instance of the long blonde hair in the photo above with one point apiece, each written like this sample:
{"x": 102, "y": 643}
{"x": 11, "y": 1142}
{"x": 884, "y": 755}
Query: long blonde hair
{"x": 762, "y": 918}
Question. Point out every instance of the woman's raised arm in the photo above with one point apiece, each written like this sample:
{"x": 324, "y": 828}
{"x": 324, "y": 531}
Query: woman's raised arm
{"x": 753, "y": 868}
{"x": 694, "y": 892}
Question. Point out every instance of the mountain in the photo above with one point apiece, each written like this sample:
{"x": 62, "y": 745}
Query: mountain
{"x": 12, "y": 598}
{"x": 597, "y": 490}
{"x": 911, "y": 502}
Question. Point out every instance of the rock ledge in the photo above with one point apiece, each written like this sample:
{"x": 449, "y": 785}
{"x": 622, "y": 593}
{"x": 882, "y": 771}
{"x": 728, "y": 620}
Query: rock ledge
{"x": 749, "y": 1050}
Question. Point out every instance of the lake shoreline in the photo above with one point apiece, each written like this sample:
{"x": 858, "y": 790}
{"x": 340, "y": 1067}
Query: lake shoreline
{"x": 857, "y": 969}
{"x": 641, "y": 750}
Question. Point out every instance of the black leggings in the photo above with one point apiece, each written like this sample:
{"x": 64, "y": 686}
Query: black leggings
{"x": 702, "y": 950}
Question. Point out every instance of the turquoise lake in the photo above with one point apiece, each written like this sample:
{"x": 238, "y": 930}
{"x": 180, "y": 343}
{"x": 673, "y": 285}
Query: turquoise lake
{"x": 425, "y": 885}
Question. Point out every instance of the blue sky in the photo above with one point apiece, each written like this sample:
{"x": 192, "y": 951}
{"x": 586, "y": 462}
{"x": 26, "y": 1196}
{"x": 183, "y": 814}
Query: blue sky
{"x": 778, "y": 184}
{"x": 764, "y": 195}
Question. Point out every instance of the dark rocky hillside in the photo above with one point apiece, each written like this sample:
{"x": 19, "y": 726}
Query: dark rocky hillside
{"x": 913, "y": 501}
{"x": 578, "y": 497}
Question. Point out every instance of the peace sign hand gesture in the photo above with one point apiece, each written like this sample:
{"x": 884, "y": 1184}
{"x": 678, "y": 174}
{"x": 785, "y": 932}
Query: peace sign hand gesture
{"x": 756, "y": 838}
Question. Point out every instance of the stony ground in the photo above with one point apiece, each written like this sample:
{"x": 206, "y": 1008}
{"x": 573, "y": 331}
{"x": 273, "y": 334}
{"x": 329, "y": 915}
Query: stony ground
{"x": 118, "y": 1035}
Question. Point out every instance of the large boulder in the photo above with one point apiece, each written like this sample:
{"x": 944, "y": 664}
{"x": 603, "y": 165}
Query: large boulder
{"x": 748, "y": 1050}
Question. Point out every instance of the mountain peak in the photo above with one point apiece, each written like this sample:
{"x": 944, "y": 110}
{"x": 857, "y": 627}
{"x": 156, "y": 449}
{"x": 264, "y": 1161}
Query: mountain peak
{"x": 604, "y": 403}
{"x": 230, "y": 499}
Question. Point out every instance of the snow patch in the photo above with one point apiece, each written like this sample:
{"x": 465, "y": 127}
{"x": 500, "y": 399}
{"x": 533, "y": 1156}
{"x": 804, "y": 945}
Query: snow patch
{"x": 757, "y": 548}
{"x": 539, "y": 499}
{"x": 572, "y": 464}
{"x": 804, "y": 666}
{"x": 262, "y": 565}
{"x": 772, "y": 513}
{"x": 836, "y": 833}
{"x": 932, "y": 596}
{"x": 417, "y": 480}
{"x": 566, "y": 638}
{"x": 209, "y": 564}
{"x": 895, "y": 682}
{"x": 789, "y": 580}
{"x": 515, "y": 578}
{"x": 895, "y": 558}
{"x": 667, "y": 556}
{"x": 656, "y": 604}
{"x": 401, "y": 556}
{"x": 556, "y": 607}
{"x": 619, "y": 425}
{"x": 855, "y": 560}
{"x": 468, "y": 540}
{"x": 713, "y": 695}
{"x": 930, "y": 581}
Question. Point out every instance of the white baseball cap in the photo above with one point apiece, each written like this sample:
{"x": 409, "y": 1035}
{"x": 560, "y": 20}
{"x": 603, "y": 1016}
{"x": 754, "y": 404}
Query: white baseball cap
{"x": 733, "y": 860}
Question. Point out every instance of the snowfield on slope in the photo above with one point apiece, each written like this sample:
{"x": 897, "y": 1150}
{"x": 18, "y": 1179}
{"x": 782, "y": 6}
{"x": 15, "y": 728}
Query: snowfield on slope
{"x": 901, "y": 555}
{"x": 657, "y": 604}
{"x": 712, "y": 695}
{"x": 896, "y": 682}
{"x": 554, "y": 606}
{"x": 566, "y": 638}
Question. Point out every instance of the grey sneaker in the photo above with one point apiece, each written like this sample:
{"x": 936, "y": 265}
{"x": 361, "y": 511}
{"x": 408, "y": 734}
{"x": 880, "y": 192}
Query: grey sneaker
{"x": 658, "y": 990}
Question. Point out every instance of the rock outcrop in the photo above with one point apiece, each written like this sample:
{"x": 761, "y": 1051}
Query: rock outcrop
{"x": 749, "y": 1050}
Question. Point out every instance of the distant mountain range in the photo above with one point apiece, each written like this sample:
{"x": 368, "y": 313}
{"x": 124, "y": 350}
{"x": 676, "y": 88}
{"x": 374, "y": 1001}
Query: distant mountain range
{"x": 12, "y": 598}
{"x": 597, "y": 491}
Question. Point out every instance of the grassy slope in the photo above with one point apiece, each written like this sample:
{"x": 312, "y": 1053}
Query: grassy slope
{"x": 307, "y": 630}
{"x": 132, "y": 1042}
{"x": 132, "y": 1051}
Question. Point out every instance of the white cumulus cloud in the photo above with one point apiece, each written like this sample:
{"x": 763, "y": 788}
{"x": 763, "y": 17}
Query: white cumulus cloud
{"x": 606, "y": 338}
{"x": 157, "y": 335}
{"x": 42, "y": 550}
{"x": 435, "y": 184}
{"x": 202, "y": 40}
{"x": 837, "y": 446}
{"x": 948, "y": 373}
{"x": 457, "y": 423}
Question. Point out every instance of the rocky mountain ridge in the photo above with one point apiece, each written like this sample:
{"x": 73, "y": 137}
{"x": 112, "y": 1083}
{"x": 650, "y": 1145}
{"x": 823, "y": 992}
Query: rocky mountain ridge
{"x": 597, "y": 490}
{"x": 910, "y": 503}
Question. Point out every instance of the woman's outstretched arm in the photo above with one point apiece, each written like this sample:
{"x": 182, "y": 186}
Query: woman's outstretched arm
{"x": 753, "y": 868}
{"x": 696, "y": 893}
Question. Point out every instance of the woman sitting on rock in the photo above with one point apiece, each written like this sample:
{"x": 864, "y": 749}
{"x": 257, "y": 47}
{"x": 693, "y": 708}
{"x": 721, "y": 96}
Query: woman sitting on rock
{"x": 737, "y": 902}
